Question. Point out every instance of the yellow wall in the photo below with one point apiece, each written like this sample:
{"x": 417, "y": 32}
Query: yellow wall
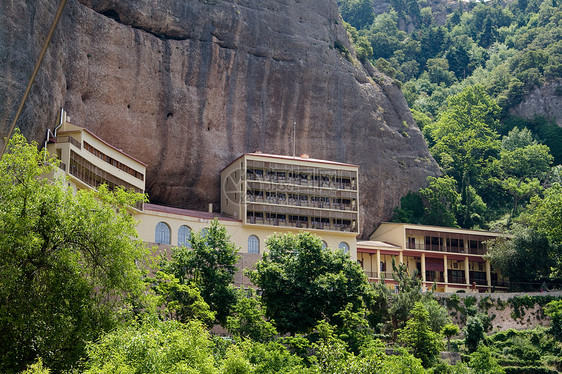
{"x": 391, "y": 233}
{"x": 239, "y": 232}
{"x": 81, "y": 135}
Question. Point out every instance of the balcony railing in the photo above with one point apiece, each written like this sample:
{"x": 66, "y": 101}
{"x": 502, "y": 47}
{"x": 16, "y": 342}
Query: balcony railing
{"x": 372, "y": 274}
{"x": 442, "y": 248}
{"x": 69, "y": 139}
{"x": 434, "y": 276}
{"x": 456, "y": 279}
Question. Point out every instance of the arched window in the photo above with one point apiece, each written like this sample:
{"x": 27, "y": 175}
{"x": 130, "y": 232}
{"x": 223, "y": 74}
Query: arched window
{"x": 253, "y": 244}
{"x": 184, "y": 234}
{"x": 162, "y": 233}
{"x": 204, "y": 232}
{"x": 324, "y": 244}
{"x": 344, "y": 246}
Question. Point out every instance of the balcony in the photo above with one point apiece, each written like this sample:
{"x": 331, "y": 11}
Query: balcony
{"x": 68, "y": 139}
{"x": 434, "y": 276}
{"x": 442, "y": 248}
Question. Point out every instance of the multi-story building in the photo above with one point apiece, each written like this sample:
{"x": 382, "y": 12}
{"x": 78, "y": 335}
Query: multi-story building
{"x": 88, "y": 161}
{"x": 451, "y": 258}
{"x": 262, "y": 194}
{"x": 281, "y": 193}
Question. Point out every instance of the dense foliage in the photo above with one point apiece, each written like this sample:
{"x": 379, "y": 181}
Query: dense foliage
{"x": 209, "y": 264}
{"x": 67, "y": 262}
{"x": 438, "y": 48}
{"x": 302, "y": 282}
{"x": 462, "y": 66}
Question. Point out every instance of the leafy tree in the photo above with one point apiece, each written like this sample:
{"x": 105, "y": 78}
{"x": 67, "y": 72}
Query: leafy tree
{"x": 248, "y": 319}
{"x": 353, "y": 328}
{"x": 181, "y": 301}
{"x": 554, "y": 311}
{"x": 404, "y": 363}
{"x": 153, "y": 347}
{"x": 474, "y": 333}
{"x": 411, "y": 209}
{"x": 67, "y": 261}
{"x": 417, "y": 335}
{"x": 272, "y": 358}
{"x": 546, "y": 214}
{"x": 442, "y": 202}
{"x": 525, "y": 259}
{"x": 302, "y": 282}
{"x": 466, "y": 142}
{"x": 397, "y": 306}
{"x": 358, "y": 13}
{"x": 523, "y": 168}
{"x": 518, "y": 138}
{"x": 482, "y": 362}
{"x": 438, "y": 315}
{"x": 210, "y": 265}
{"x": 36, "y": 368}
{"x": 448, "y": 331}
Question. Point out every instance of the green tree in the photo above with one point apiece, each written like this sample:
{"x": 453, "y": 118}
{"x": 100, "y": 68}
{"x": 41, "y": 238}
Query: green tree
{"x": 153, "y": 347}
{"x": 411, "y": 209}
{"x": 181, "y": 301}
{"x": 353, "y": 328}
{"x": 482, "y": 362}
{"x": 546, "y": 214}
{"x": 442, "y": 202}
{"x": 417, "y": 335}
{"x": 358, "y": 13}
{"x": 438, "y": 315}
{"x": 404, "y": 363}
{"x": 302, "y": 282}
{"x": 517, "y": 138}
{"x": 248, "y": 318}
{"x": 522, "y": 169}
{"x": 554, "y": 311}
{"x": 67, "y": 261}
{"x": 525, "y": 259}
{"x": 397, "y": 305}
{"x": 474, "y": 333}
{"x": 448, "y": 331}
{"x": 466, "y": 142}
{"x": 210, "y": 264}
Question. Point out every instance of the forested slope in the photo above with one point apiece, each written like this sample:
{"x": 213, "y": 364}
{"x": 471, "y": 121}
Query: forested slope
{"x": 483, "y": 81}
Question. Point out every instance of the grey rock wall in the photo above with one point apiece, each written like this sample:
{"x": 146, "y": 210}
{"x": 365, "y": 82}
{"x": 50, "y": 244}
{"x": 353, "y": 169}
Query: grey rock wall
{"x": 187, "y": 86}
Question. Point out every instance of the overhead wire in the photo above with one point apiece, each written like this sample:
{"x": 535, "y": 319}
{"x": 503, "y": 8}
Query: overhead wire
{"x": 34, "y": 74}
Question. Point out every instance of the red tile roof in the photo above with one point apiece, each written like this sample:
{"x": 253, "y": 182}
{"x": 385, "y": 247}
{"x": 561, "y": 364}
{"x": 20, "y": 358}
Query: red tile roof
{"x": 188, "y": 212}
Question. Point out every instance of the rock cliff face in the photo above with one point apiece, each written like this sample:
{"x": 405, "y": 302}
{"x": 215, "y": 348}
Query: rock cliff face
{"x": 544, "y": 101}
{"x": 187, "y": 86}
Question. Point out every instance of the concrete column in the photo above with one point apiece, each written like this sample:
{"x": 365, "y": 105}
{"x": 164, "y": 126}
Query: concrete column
{"x": 423, "y": 267}
{"x": 488, "y": 274}
{"x": 445, "y": 273}
{"x": 466, "y": 271}
{"x": 401, "y": 257}
{"x": 379, "y": 263}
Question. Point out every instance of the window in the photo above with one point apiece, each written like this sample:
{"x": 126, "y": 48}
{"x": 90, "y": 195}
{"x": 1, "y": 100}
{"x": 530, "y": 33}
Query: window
{"x": 344, "y": 246}
{"x": 253, "y": 244}
{"x": 162, "y": 233}
{"x": 324, "y": 244}
{"x": 184, "y": 234}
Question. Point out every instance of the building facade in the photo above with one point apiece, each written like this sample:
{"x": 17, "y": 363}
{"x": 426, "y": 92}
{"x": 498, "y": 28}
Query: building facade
{"x": 88, "y": 161}
{"x": 263, "y": 194}
{"x": 451, "y": 258}
{"x": 290, "y": 194}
